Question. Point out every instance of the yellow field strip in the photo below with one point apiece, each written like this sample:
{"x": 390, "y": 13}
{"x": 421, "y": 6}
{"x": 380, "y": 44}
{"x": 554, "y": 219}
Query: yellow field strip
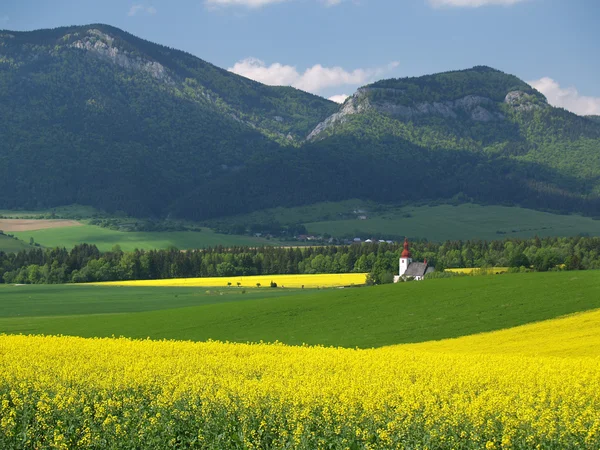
{"x": 68, "y": 392}
{"x": 470, "y": 270}
{"x": 576, "y": 335}
{"x": 289, "y": 281}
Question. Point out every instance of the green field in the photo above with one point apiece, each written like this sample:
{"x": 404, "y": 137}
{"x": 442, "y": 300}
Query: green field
{"x": 8, "y": 244}
{"x": 447, "y": 222}
{"x": 105, "y": 238}
{"x": 435, "y": 223}
{"x": 357, "y": 317}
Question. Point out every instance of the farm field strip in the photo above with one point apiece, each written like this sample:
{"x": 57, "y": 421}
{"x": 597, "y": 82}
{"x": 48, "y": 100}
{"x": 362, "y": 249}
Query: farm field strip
{"x": 91, "y": 393}
{"x": 487, "y": 270}
{"x": 575, "y": 335}
{"x": 467, "y": 221}
{"x": 12, "y": 225}
{"x": 290, "y": 281}
{"x": 105, "y": 239}
{"x": 359, "y": 317}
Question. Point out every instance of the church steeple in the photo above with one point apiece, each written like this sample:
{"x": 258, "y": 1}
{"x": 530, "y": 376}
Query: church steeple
{"x": 406, "y": 251}
{"x": 405, "y": 258}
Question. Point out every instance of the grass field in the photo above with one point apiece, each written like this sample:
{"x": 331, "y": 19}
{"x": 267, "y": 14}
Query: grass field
{"x": 358, "y": 317}
{"x": 435, "y": 223}
{"x": 445, "y": 222}
{"x": 468, "y": 363}
{"x": 9, "y": 245}
{"x": 105, "y": 238}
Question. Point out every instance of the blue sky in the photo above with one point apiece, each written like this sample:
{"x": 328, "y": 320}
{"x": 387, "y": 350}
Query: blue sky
{"x": 331, "y": 47}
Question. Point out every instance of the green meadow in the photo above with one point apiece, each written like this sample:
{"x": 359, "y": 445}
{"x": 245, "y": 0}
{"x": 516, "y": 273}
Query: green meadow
{"x": 462, "y": 222}
{"x": 356, "y": 317}
{"x": 8, "y": 244}
{"x": 105, "y": 238}
{"x": 435, "y": 223}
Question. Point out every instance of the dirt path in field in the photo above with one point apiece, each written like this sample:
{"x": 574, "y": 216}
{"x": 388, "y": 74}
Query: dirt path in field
{"x": 8, "y": 225}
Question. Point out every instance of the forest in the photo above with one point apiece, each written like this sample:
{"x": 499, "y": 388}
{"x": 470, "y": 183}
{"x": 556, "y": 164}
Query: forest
{"x": 153, "y": 132}
{"x": 85, "y": 263}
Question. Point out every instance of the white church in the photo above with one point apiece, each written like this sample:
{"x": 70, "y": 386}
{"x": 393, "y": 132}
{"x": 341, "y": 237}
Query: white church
{"x": 410, "y": 269}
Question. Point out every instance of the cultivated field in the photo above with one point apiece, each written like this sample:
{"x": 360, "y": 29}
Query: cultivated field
{"x": 360, "y": 317}
{"x": 576, "y": 335}
{"x": 11, "y": 225}
{"x": 327, "y": 280}
{"x": 436, "y": 223}
{"x": 460, "y": 384}
{"x": 446, "y": 222}
{"x": 65, "y": 392}
{"x": 486, "y": 270}
{"x": 105, "y": 238}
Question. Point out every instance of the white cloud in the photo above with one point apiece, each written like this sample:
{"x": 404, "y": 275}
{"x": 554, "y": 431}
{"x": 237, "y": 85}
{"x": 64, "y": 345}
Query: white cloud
{"x": 472, "y": 3}
{"x": 136, "y": 9}
{"x": 568, "y": 98}
{"x": 332, "y": 2}
{"x": 260, "y": 3}
{"x": 341, "y": 98}
{"x": 248, "y": 3}
{"x": 314, "y": 79}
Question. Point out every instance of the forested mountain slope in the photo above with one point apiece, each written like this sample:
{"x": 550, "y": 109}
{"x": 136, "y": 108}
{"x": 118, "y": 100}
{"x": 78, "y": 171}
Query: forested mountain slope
{"x": 96, "y": 116}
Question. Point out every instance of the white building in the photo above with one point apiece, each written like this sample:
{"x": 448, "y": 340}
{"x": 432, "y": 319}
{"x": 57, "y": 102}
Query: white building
{"x": 410, "y": 269}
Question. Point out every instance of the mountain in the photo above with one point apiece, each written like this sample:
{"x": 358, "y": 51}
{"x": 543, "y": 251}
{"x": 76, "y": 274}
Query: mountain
{"x": 594, "y": 118}
{"x": 96, "y": 116}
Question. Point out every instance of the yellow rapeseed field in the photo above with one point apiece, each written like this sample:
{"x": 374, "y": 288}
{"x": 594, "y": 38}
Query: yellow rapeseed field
{"x": 290, "y": 281}
{"x": 71, "y": 393}
{"x": 478, "y": 270}
{"x": 577, "y": 335}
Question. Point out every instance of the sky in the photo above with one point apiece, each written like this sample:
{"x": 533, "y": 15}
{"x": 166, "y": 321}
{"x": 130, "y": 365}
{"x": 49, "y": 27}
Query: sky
{"x": 332, "y": 47}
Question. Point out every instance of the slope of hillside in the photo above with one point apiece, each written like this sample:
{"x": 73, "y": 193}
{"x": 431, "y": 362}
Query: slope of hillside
{"x": 594, "y": 118}
{"x": 95, "y": 116}
{"x": 575, "y": 335}
{"x": 11, "y": 245}
{"x": 360, "y": 317}
{"x": 440, "y": 127}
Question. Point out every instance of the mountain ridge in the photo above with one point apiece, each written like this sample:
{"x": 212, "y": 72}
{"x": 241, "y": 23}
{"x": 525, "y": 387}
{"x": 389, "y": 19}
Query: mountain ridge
{"x": 94, "y": 115}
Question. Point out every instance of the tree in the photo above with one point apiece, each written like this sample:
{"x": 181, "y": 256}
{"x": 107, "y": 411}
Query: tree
{"x": 519, "y": 259}
{"x": 225, "y": 269}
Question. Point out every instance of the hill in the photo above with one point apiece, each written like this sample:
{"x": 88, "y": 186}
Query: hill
{"x": 9, "y": 244}
{"x": 105, "y": 239}
{"x": 360, "y": 317}
{"x": 594, "y": 118}
{"x": 575, "y": 335}
{"x": 95, "y": 116}
{"x": 355, "y": 218}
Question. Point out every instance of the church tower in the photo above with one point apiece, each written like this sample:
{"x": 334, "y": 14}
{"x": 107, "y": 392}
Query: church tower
{"x": 405, "y": 258}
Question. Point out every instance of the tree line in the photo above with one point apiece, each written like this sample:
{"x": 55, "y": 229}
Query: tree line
{"x": 85, "y": 263}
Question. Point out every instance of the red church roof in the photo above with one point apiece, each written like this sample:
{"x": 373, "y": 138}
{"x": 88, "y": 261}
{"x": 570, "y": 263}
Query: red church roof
{"x": 405, "y": 252}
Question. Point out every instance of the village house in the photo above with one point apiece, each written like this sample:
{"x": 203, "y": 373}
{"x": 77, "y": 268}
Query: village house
{"x": 410, "y": 269}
